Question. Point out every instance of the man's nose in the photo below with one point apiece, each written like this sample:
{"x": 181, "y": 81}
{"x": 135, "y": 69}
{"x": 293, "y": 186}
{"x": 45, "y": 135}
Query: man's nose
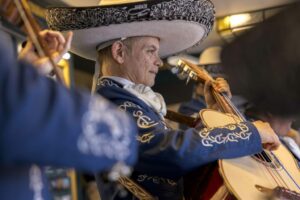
{"x": 159, "y": 62}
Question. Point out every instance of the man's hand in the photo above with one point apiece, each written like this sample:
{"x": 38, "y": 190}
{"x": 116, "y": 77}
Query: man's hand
{"x": 268, "y": 137}
{"x": 220, "y": 85}
{"x": 57, "y": 45}
{"x": 295, "y": 135}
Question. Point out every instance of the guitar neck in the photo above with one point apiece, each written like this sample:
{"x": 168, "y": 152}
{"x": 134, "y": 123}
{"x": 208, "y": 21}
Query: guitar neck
{"x": 283, "y": 193}
{"x": 182, "y": 119}
{"x": 200, "y": 74}
{"x": 279, "y": 193}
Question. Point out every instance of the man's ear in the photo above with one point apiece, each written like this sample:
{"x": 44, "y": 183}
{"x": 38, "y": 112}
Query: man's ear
{"x": 117, "y": 51}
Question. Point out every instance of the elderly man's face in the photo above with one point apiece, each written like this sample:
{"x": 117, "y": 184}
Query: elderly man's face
{"x": 142, "y": 60}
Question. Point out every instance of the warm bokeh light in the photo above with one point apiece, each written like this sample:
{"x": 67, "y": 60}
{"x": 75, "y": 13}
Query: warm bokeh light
{"x": 67, "y": 56}
{"x": 239, "y": 20}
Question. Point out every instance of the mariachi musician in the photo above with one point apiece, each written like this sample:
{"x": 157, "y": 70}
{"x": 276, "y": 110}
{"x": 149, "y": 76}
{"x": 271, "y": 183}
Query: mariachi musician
{"x": 136, "y": 35}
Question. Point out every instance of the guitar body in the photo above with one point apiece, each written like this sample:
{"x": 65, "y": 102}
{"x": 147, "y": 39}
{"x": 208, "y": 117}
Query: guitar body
{"x": 240, "y": 175}
{"x": 205, "y": 181}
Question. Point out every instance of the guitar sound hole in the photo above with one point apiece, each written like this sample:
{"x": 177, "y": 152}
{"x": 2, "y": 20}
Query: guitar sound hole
{"x": 267, "y": 159}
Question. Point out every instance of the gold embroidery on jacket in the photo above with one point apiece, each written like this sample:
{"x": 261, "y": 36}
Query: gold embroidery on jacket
{"x": 143, "y": 121}
{"x": 156, "y": 180}
{"x": 128, "y": 104}
{"x": 145, "y": 138}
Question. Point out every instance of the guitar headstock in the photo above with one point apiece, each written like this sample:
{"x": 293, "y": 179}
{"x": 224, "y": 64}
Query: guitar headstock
{"x": 185, "y": 69}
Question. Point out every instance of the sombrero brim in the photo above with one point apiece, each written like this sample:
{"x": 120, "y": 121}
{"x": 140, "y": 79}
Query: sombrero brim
{"x": 179, "y": 24}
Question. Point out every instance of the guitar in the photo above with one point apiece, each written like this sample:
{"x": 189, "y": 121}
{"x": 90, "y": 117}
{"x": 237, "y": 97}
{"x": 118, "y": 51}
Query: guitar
{"x": 264, "y": 175}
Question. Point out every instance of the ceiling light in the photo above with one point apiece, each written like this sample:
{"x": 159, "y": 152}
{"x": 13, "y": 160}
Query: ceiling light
{"x": 231, "y": 26}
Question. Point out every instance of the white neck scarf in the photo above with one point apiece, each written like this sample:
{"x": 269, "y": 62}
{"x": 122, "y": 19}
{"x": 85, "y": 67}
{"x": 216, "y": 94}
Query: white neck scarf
{"x": 151, "y": 98}
{"x": 145, "y": 93}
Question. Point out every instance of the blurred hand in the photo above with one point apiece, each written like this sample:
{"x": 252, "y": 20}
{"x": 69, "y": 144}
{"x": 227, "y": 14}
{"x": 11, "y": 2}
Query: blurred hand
{"x": 57, "y": 45}
{"x": 268, "y": 137}
{"x": 220, "y": 85}
{"x": 295, "y": 135}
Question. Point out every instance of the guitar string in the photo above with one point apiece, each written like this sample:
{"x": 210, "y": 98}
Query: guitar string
{"x": 265, "y": 171}
{"x": 230, "y": 108}
{"x": 243, "y": 118}
{"x": 286, "y": 171}
{"x": 237, "y": 112}
{"x": 275, "y": 172}
{"x": 274, "y": 167}
{"x": 268, "y": 170}
{"x": 280, "y": 179}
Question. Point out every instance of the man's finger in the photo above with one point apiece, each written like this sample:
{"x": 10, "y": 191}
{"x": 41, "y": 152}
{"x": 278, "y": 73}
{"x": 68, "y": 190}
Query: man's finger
{"x": 67, "y": 45}
{"x": 57, "y": 35}
{"x": 69, "y": 40}
{"x": 56, "y": 57}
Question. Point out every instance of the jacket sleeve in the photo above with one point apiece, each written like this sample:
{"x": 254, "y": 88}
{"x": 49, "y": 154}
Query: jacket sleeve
{"x": 44, "y": 123}
{"x": 166, "y": 151}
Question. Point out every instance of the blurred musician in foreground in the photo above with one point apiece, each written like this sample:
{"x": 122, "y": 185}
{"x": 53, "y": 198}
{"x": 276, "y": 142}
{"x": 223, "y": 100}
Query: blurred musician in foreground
{"x": 43, "y": 123}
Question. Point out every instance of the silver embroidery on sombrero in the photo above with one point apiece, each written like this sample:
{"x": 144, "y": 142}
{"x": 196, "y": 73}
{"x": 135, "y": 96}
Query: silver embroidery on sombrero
{"x": 115, "y": 145}
{"x": 238, "y": 132}
{"x": 198, "y": 11}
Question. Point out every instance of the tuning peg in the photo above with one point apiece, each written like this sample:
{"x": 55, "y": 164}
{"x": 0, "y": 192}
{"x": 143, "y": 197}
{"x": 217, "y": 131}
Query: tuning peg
{"x": 193, "y": 75}
{"x": 186, "y": 69}
{"x": 188, "y": 80}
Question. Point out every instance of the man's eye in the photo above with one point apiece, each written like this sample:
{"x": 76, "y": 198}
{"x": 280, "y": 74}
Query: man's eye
{"x": 151, "y": 50}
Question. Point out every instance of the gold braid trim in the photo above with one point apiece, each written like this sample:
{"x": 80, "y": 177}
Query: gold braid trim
{"x": 135, "y": 189}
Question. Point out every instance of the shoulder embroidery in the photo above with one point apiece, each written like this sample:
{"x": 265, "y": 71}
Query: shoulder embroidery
{"x": 238, "y": 132}
{"x": 106, "y": 82}
{"x": 96, "y": 141}
{"x": 128, "y": 104}
{"x": 145, "y": 138}
{"x": 143, "y": 121}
